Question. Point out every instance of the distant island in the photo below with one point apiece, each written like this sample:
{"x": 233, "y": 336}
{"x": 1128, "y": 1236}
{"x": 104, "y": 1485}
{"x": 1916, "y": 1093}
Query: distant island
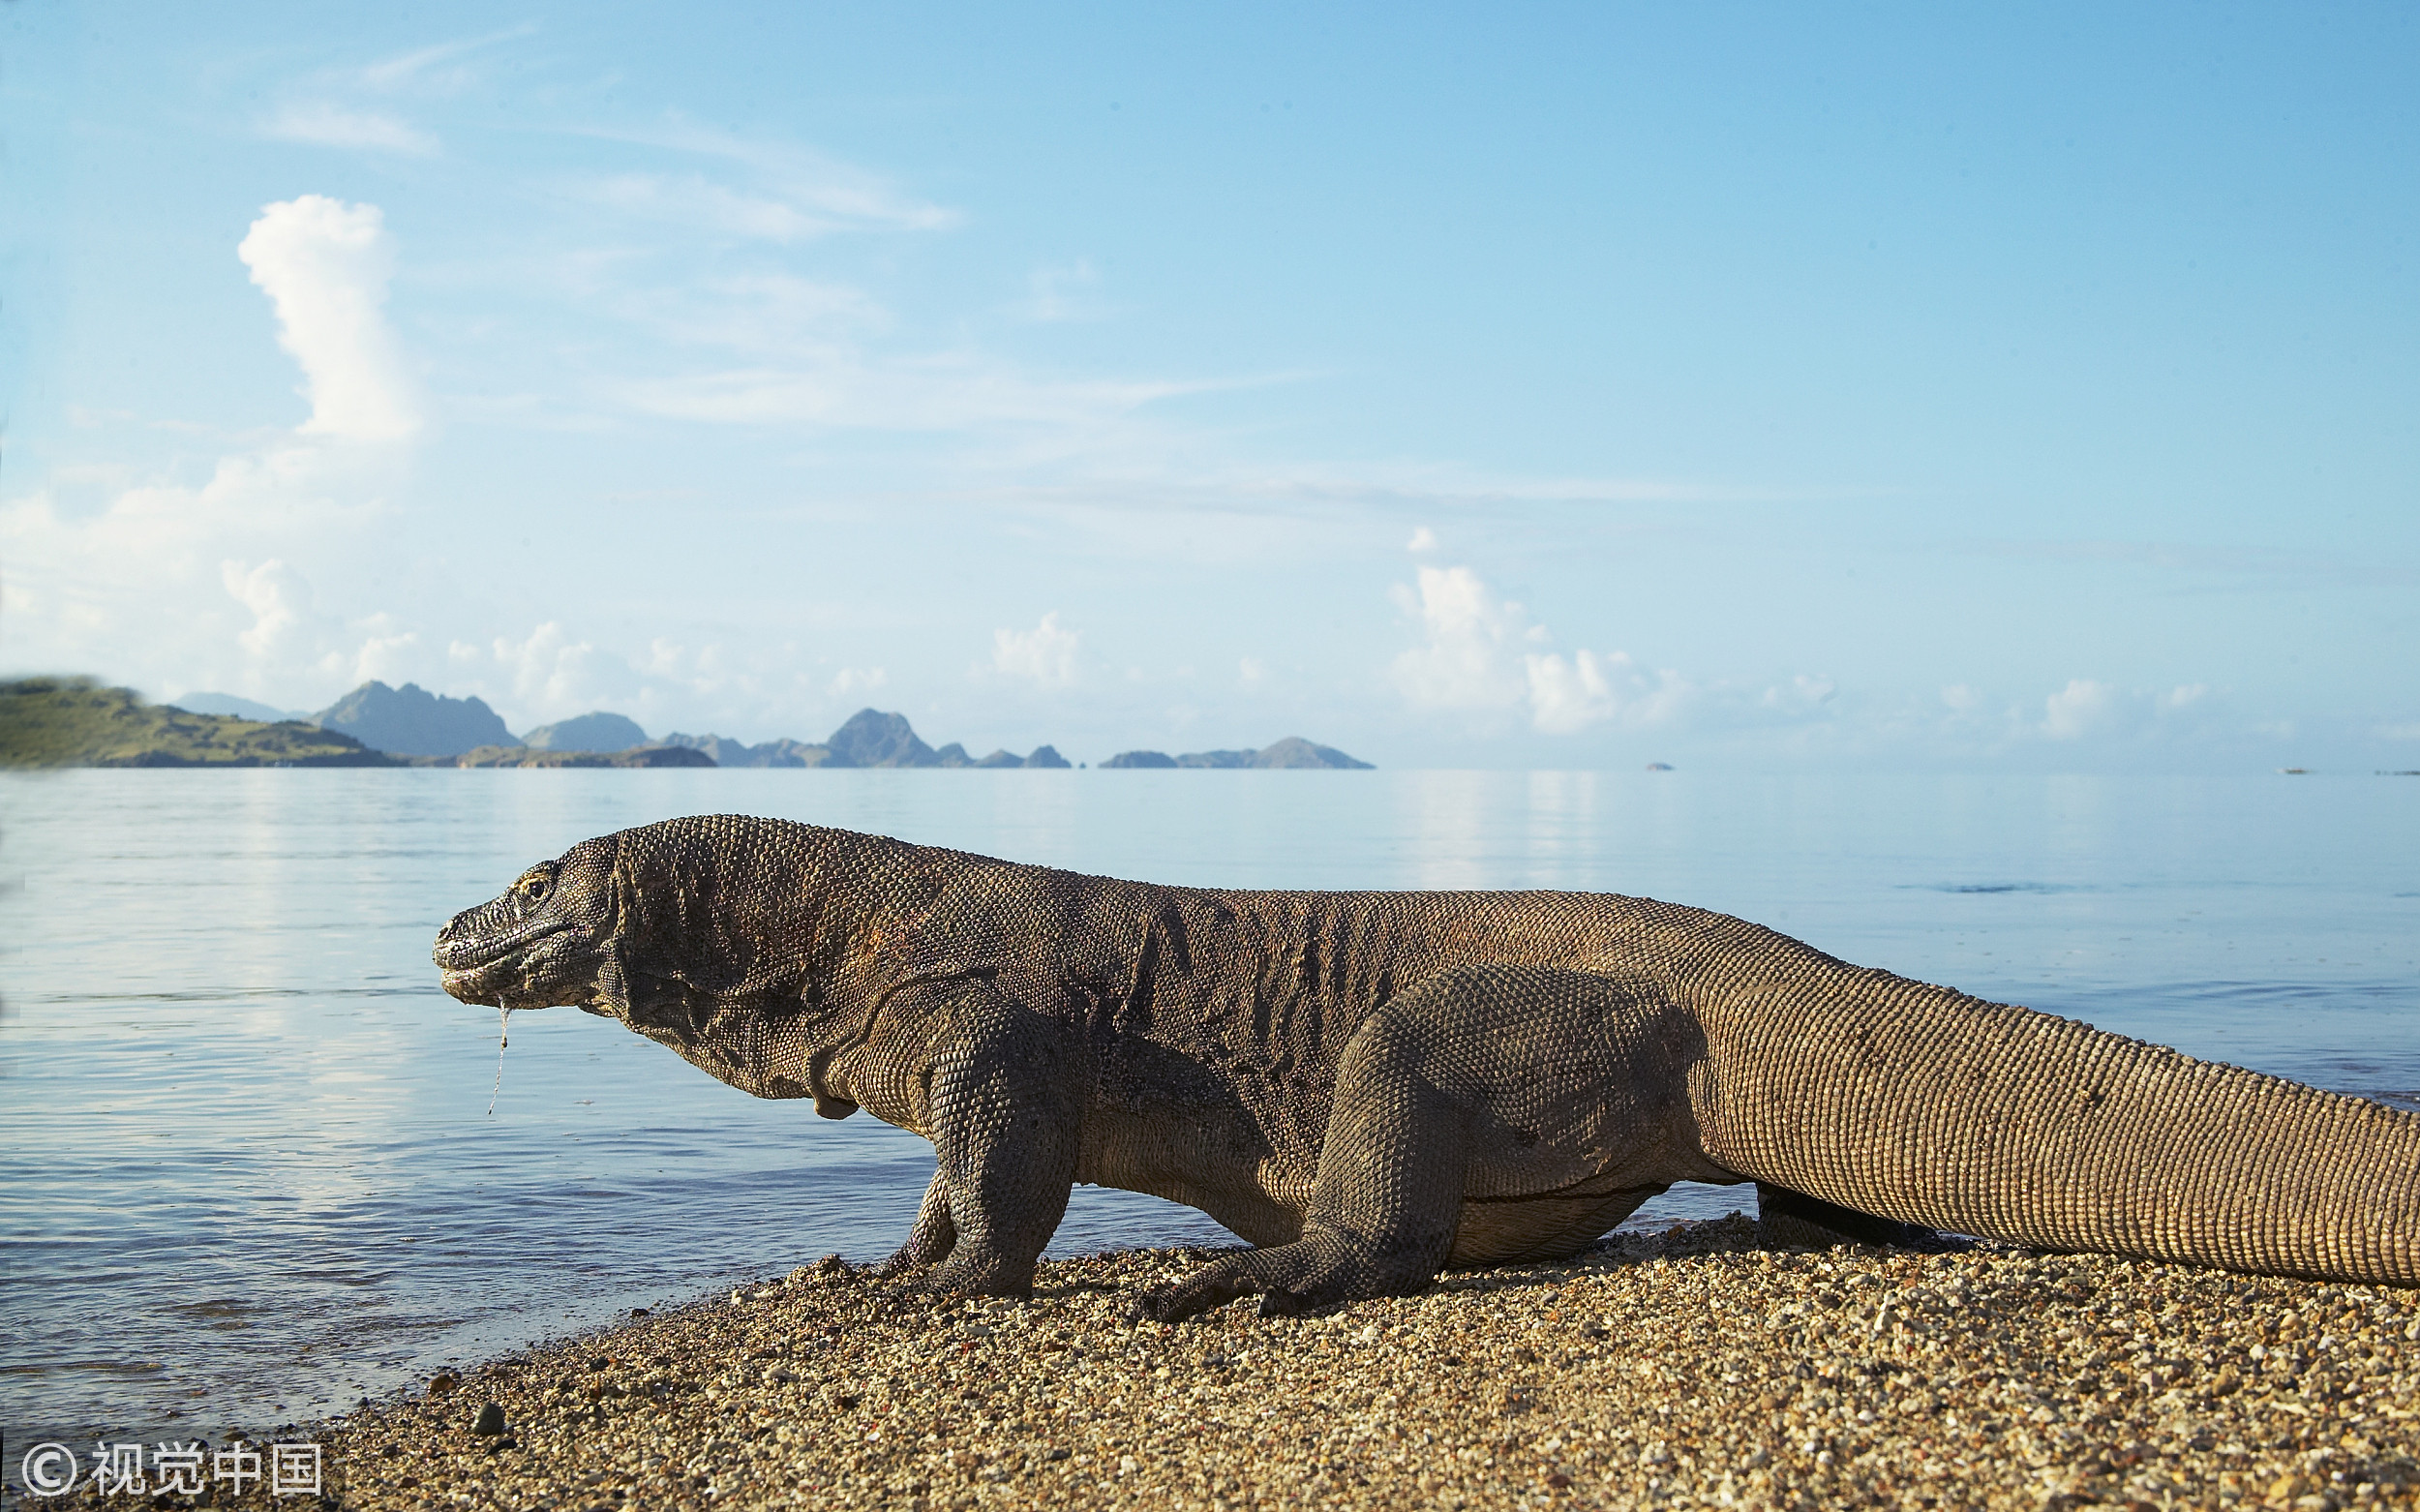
{"x": 539, "y": 756}
{"x": 76, "y": 722}
{"x": 1290, "y": 754}
{"x": 410, "y": 721}
{"x": 869, "y": 738}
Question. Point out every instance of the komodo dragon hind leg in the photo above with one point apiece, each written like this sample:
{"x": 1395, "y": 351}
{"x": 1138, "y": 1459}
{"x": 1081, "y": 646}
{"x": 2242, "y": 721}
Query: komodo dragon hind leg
{"x": 1383, "y": 1207}
{"x": 1793, "y": 1217}
{"x": 1491, "y": 1113}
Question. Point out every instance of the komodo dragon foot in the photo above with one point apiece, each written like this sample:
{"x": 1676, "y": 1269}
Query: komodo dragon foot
{"x": 933, "y": 1261}
{"x": 1315, "y": 1271}
{"x": 929, "y": 1242}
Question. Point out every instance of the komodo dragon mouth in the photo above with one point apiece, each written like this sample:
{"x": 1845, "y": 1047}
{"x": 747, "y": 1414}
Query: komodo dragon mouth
{"x": 461, "y": 959}
{"x": 536, "y": 945}
{"x": 515, "y": 970}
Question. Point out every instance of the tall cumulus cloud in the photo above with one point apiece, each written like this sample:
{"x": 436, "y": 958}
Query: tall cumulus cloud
{"x": 325, "y": 265}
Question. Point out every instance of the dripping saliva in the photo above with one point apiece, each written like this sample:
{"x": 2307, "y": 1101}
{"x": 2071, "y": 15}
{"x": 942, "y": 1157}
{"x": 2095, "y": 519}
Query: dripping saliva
{"x": 503, "y": 1037}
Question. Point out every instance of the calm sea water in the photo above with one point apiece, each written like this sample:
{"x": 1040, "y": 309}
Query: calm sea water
{"x": 251, "y": 1174}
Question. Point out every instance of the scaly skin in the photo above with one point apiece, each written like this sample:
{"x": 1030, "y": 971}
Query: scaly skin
{"x": 1370, "y": 1086}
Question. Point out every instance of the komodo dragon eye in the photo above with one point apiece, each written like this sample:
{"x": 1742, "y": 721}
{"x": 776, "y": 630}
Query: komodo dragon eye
{"x": 535, "y": 887}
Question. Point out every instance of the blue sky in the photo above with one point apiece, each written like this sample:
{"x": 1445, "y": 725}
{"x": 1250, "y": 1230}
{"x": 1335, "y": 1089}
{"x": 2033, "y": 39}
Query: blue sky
{"x": 1559, "y": 386}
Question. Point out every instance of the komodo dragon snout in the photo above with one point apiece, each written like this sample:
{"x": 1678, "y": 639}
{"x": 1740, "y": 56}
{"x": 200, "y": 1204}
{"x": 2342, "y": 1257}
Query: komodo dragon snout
{"x": 544, "y": 943}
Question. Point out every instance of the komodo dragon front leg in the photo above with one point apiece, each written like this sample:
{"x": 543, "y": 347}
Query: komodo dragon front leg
{"x": 1493, "y": 1114}
{"x": 992, "y": 1083}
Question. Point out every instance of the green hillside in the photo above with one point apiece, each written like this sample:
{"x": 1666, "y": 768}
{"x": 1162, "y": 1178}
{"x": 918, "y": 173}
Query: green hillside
{"x": 75, "y": 722}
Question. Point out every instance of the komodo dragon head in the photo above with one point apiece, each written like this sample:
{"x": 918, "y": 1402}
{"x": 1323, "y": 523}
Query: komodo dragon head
{"x": 717, "y": 936}
{"x": 550, "y": 941}
{"x": 664, "y": 925}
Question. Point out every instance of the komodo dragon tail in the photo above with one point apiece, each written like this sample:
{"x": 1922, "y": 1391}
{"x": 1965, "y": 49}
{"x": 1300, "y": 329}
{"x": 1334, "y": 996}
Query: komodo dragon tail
{"x": 1915, "y": 1102}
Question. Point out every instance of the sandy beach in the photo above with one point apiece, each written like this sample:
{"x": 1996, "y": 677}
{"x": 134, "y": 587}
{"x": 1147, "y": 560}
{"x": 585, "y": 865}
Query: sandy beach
{"x": 1692, "y": 1367}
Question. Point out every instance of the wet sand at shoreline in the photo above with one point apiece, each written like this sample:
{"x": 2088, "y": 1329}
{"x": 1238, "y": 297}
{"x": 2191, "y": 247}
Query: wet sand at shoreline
{"x": 1690, "y": 1367}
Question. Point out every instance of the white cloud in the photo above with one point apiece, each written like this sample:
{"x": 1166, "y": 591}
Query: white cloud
{"x": 321, "y": 123}
{"x": 324, "y": 266}
{"x": 1567, "y": 696}
{"x": 386, "y": 652}
{"x": 210, "y": 583}
{"x": 809, "y": 352}
{"x": 556, "y": 675}
{"x": 147, "y": 581}
{"x": 1479, "y": 652}
{"x": 812, "y": 354}
{"x": 1469, "y": 651}
{"x": 1422, "y": 539}
{"x": 326, "y": 109}
{"x": 792, "y": 194}
{"x": 1044, "y": 653}
{"x": 1251, "y": 673}
{"x": 292, "y": 639}
{"x": 437, "y": 68}
{"x": 2082, "y": 707}
{"x": 2088, "y": 709}
{"x": 692, "y": 201}
{"x": 279, "y": 599}
{"x": 944, "y": 393}
{"x": 132, "y": 583}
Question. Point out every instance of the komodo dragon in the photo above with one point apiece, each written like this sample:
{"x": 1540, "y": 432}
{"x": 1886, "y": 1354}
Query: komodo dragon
{"x": 1372, "y": 1087}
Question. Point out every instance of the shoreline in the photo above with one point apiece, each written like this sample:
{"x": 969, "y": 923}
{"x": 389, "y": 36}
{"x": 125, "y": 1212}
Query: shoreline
{"x": 1683, "y": 1368}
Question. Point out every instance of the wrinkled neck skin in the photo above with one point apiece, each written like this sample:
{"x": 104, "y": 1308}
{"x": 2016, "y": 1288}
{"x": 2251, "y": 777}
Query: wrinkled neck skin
{"x": 747, "y": 964}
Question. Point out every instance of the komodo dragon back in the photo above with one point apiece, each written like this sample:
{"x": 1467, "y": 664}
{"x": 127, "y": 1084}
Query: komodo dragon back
{"x": 1372, "y": 1087}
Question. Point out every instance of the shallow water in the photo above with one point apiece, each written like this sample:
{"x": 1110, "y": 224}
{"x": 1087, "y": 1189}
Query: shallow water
{"x": 250, "y": 1176}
